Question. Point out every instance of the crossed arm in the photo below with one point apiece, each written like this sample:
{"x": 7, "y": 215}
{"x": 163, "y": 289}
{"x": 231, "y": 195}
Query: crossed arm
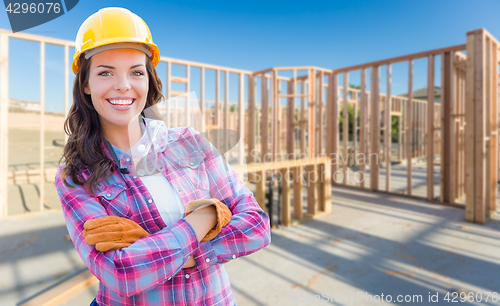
{"x": 150, "y": 260}
{"x": 113, "y": 233}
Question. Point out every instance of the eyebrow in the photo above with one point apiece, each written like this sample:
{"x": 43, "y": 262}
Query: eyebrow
{"x": 111, "y": 67}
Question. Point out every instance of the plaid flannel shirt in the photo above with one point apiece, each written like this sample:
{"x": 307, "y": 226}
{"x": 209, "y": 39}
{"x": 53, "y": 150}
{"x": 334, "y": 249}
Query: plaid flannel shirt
{"x": 150, "y": 271}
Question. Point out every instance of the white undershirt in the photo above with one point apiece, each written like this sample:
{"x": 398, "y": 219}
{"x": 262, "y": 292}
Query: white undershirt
{"x": 164, "y": 196}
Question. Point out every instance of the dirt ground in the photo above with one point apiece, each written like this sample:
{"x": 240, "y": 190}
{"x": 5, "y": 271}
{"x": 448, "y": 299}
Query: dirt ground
{"x": 31, "y": 121}
{"x": 24, "y": 140}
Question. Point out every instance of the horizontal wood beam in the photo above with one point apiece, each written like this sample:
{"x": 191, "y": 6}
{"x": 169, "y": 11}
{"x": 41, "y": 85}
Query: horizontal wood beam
{"x": 200, "y": 65}
{"x": 176, "y": 93}
{"x": 292, "y": 96}
{"x": 38, "y": 38}
{"x": 401, "y": 58}
{"x": 179, "y": 80}
{"x": 277, "y": 165}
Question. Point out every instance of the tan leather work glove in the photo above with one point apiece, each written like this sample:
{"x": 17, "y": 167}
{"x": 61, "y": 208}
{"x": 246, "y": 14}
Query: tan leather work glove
{"x": 112, "y": 233}
{"x": 224, "y": 215}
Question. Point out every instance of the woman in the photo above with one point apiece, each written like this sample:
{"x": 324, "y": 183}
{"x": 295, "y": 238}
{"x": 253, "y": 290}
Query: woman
{"x": 139, "y": 235}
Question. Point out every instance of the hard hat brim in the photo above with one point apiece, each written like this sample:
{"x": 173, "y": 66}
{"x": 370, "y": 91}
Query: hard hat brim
{"x": 155, "y": 52}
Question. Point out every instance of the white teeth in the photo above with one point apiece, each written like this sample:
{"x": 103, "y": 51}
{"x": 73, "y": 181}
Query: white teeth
{"x": 121, "y": 102}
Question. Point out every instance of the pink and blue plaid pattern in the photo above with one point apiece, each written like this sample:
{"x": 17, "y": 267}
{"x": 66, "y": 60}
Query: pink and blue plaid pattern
{"x": 149, "y": 272}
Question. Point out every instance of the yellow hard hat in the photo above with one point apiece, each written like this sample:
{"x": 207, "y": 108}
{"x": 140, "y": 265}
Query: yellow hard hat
{"x": 110, "y": 26}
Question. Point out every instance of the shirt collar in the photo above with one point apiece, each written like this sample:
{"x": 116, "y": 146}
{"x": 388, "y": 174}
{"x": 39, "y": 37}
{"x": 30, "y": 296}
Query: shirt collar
{"x": 171, "y": 136}
{"x": 118, "y": 151}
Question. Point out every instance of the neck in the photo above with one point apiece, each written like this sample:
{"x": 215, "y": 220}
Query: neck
{"x": 122, "y": 137}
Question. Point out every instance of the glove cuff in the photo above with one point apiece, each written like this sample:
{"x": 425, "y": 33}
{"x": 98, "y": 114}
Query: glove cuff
{"x": 197, "y": 204}
{"x": 193, "y": 205}
{"x": 216, "y": 229}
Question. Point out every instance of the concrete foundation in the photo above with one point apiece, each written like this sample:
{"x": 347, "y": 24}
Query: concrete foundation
{"x": 371, "y": 244}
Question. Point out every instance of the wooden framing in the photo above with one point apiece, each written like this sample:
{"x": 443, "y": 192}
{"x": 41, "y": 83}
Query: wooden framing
{"x": 167, "y": 106}
{"x": 252, "y": 112}
{"x": 42, "y": 125}
{"x": 460, "y": 123}
{"x": 297, "y": 194}
{"x": 325, "y": 195}
{"x": 488, "y": 131}
{"x": 409, "y": 123}
{"x": 329, "y": 123}
{"x": 464, "y": 131}
{"x": 400, "y": 58}
{"x": 303, "y": 120}
{"x": 226, "y": 125}
{"x": 352, "y": 157}
{"x": 319, "y": 114}
{"x": 388, "y": 131}
{"x": 260, "y": 196}
{"x": 334, "y": 119}
{"x": 311, "y": 169}
{"x": 430, "y": 127}
{"x": 202, "y": 95}
{"x": 345, "y": 128}
{"x": 241, "y": 119}
{"x": 4, "y": 121}
{"x": 264, "y": 147}
{"x": 217, "y": 98}
{"x": 375, "y": 128}
{"x": 400, "y": 137}
{"x": 449, "y": 148}
{"x": 474, "y": 204}
{"x": 494, "y": 123}
{"x": 311, "y": 113}
{"x": 481, "y": 116}
{"x": 285, "y": 196}
{"x": 363, "y": 133}
{"x": 315, "y": 204}
{"x": 290, "y": 136}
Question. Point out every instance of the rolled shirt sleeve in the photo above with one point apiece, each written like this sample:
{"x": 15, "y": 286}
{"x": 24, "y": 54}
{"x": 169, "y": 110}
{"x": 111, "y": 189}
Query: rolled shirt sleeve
{"x": 248, "y": 231}
{"x": 145, "y": 264}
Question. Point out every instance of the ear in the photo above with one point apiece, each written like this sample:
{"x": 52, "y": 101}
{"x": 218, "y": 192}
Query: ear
{"x": 86, "y": 89}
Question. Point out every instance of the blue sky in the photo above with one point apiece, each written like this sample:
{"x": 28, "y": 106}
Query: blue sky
{"x": 255, "y": 35}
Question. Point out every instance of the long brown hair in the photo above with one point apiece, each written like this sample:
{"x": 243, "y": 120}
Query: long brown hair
{"x": 83, "y": 149}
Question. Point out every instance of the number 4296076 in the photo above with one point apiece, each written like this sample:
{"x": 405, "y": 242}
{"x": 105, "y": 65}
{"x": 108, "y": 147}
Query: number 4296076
{"x": 33, "y": 8}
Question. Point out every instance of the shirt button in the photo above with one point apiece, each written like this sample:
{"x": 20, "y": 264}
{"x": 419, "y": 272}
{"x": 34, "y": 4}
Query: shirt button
{"x": 150, "y": 201}
{"x": 187, "y": 275}
{"x": 135, "y": 176}
{"x": 169, "y": 278}
{"x": 207, "y": 260}
{"x": 234, "y": 256}
{"x": 108, "y": 195}
{"x": 191, "y": 164}
{"x": 127, "y": 159}
{"x": 179, "y": 190}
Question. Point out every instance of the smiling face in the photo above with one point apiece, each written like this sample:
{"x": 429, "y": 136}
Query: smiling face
{"x": 118, "y": 86}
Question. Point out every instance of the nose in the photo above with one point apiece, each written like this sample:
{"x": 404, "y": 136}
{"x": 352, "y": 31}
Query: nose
{"x": 122, "y": 82}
